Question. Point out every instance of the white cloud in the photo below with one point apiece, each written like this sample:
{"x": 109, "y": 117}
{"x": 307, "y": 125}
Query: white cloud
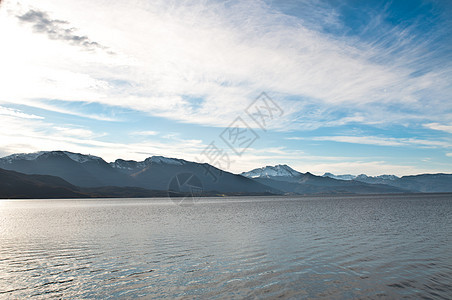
{"x": 371, "y": 140}
{"x": 379, "y": 141}
{"x": 223, "y": 54}
{"x": 75, "y": 132}
{"x": 438, "y": 126}
{"x": 56, "y": 108}
{"x": 17, "y": 113}
{"x": 148, "y": 132}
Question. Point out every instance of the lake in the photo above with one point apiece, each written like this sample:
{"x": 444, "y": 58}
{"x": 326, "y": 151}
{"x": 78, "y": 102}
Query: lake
{"x": 385, "y": 246}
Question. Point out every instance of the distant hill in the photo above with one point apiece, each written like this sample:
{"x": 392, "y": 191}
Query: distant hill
{"x": 78, "y": 175}
{"x": 424, "y": 183}
{"x": 18, "y": 185}
{"x": 284, "y": 178}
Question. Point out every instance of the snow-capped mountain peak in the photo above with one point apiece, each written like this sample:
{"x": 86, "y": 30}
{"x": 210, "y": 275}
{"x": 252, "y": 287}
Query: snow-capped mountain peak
{"x": 80, "y": 158}
{"x": 340, "y": 177}
{"x": 361, "y": 177}
{"x": 127, "y": 164}
{"x": 388, "y": 177}
{"x": 272, "y": 171}
{"x": 165, "y": 160}
{"x": 136, "y": 165}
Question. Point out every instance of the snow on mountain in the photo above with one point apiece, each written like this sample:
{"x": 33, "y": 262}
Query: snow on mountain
{"x": 166, "y": 160}
{"x": 22, "y": 156}
{"x": 340, "y": 177}
{"x": 382, "y": 177}
{"x": 80, "y": 158}
{"x": 361, "y": 177}
{"x": 132, "y": 164}
{"x": 127, "y": 164}
{"x": 388, "y": 177}
{"x": 272, "y": 171}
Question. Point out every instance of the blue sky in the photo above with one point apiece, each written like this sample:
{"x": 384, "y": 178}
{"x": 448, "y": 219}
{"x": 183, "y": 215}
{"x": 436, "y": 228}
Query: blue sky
{"x": 359, "y": 86}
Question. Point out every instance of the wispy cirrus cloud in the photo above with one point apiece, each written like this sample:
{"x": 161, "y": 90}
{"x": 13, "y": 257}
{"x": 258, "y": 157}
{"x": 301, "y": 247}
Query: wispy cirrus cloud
{"x": 145, "y": 133}
{"x": 5, "y": 111}
{"x": 75, "y": 132}
{"x": 379, "y": 141}
{"x": 225, "y": 55}
{"x": 440, "y": 127}
{"x": 55, "y": 106}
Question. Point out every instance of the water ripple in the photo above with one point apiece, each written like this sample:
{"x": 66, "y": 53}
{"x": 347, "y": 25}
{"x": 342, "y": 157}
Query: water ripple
{"x": 332, "y": 247}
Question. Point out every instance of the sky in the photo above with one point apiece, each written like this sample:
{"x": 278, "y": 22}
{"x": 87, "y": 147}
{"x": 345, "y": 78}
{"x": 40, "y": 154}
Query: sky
{"x": 346, "y": 87}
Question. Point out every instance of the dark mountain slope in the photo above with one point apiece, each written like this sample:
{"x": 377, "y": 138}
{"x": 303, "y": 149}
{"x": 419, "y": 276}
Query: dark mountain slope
{"x": 15, "y": 185}
{"x": 18, "y": 185}
{"x": 425, "y": 183}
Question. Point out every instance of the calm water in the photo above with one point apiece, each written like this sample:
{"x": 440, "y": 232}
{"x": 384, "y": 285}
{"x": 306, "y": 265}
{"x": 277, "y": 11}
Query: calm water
{"x": 329, "y": 247}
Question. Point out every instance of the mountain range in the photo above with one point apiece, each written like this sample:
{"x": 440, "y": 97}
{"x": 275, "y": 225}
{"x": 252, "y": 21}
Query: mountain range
{"x": 285, "y": 178}
{"x": 64, "y": 174}
{"x": 424, "y": 183}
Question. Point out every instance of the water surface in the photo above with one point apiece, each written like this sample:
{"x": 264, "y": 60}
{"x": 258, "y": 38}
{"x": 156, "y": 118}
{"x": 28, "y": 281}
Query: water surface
{"x": 248, "y": 247}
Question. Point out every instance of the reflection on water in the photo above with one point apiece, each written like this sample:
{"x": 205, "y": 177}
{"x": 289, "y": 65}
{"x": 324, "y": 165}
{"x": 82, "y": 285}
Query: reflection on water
{"x": 329, "y": 247}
